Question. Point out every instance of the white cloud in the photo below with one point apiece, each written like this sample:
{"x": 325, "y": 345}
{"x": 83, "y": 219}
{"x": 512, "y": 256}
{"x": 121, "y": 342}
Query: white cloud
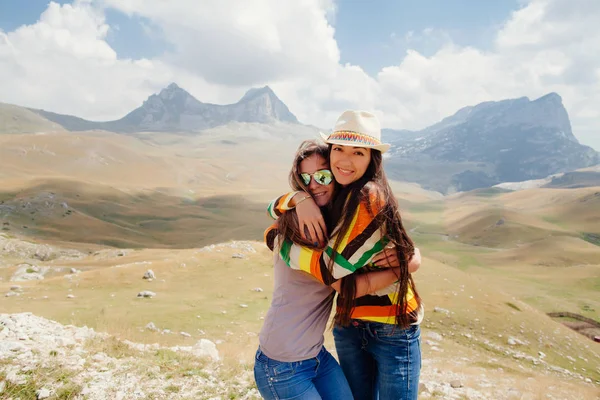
{"x": 236, "y": 43}
{"x": 220, "y": 48}
{"x": 63, "y": 63}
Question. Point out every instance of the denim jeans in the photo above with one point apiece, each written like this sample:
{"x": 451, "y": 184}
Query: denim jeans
{"x": 315, "y": 378}
{"x": 380, "y": 361}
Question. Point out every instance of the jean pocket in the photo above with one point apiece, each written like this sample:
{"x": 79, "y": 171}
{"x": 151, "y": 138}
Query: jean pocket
{"x": 281, "y": 371}
{"x": 393, "y": 334}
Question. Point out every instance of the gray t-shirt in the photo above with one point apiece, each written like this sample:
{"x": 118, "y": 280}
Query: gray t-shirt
{"x": 295, "y": 323}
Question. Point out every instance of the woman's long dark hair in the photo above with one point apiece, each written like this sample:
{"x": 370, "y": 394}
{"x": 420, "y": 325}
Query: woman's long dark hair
{"x": 342, "y": 212}
{"x": 288, "y": 221}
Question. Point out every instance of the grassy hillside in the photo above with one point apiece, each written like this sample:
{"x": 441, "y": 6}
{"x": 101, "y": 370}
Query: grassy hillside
{"x": 209, "y": 294}
{"x": 74, "y": 211}
{"x": 15, "y": 119}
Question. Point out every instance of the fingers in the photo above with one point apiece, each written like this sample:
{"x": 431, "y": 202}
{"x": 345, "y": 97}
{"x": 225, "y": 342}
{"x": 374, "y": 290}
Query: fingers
{"x": 320, "y": 234}
{"x": 312, "y": 222}
{"x": 303, "y": 229}
{"x": 386, "y": 258}
{"x": 322, "y": 230}
{"x": 311, "y": 233}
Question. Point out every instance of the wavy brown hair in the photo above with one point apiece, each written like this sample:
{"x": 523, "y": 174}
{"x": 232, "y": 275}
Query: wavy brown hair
{"x": 343, "y": 209}
{"x": 287, "y": 223}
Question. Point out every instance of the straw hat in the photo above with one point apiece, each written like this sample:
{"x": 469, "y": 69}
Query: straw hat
{"x": 358, "y": 129}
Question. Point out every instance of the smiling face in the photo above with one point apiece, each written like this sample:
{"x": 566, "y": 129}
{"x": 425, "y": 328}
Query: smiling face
{"x": 321, "y": 193}
{"x": 348, "y": 163}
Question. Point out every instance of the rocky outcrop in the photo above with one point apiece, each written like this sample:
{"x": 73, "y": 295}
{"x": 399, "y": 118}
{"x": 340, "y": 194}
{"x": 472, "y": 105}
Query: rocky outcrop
{"x": 42, "y": 356}
{"x": 505, "y": 141}
{"x": 175, "y": 110}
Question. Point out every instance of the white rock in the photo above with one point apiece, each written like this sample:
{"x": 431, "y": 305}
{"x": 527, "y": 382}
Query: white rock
{"x": 99, "y": 357}
{"x": 257, "y": 289}
{"x": 70, "y": 296}
{"x": 441, "y": 310}
{"x": 151, "y": 327}
{"x": 185, "y": 334}
{"x": 146, "y": 294}
{"x": 149, "y": 275}
{"x": 456, "y": 384}
{"x": 206, "y": 348}
{"x": 433, "y": 335}
{"x": 244, "y": 305}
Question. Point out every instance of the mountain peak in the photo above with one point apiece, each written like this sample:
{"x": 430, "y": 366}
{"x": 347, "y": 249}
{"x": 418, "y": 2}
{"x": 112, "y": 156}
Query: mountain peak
{"x": 172, "y": 91}
{"x": 263, "y": 105}
{"x": 551, "y": 97}
{"x": 257, "y": 92}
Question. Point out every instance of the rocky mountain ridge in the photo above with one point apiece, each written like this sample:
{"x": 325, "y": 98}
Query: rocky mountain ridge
{"x": 174, "y": 109}
{"x": 479, "y": 146}
{"x": 505, "y": 141}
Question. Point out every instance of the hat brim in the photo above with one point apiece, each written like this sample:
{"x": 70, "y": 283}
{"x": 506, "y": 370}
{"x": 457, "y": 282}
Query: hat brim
{"x": 381, "y": 147}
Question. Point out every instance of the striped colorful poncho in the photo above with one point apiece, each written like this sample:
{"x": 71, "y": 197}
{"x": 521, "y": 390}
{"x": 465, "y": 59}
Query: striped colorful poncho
{"x": 360, "y": 244}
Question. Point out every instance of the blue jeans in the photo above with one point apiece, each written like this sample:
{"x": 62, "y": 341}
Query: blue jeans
{"x": 315, "y": 378}
{"x": 380, "y": 361}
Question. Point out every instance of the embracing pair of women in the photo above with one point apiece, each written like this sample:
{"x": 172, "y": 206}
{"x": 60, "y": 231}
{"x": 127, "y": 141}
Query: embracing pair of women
{"x": 341, "y": 230}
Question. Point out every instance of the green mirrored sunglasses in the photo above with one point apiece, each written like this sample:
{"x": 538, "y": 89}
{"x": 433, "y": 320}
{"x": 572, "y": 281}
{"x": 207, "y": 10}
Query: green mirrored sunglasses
{"x": 322, "y": 177}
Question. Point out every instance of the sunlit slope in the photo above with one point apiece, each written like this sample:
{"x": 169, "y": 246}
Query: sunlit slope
{"x": 211, "y": 162}
{"x": 553, "y": 251}
{"x": 204, "y": 290}
{"x": 15, "y": 119}
{"x": 509, "y": 219}
{"x": 577, "y": 209}
{"x": 75, "y": 211}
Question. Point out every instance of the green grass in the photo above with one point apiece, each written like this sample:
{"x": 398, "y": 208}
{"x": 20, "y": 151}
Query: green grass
{"x": 496, "y": 366}
{"x": 593, "y": 238}
{"x": 490, "y": 192}
{"x": 40, "y": 377}
{"x": 434, "y": 206}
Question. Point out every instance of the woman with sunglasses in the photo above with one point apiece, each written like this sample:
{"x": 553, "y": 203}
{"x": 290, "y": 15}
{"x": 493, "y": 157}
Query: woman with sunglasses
{"x": 377, "y": 336}
{"x": 291, "y": 362}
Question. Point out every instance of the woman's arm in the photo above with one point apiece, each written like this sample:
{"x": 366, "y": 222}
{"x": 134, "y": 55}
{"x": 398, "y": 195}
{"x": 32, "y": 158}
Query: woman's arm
{"x": 310, "y": 218}
{"x": 389, "y": 258}
{"x": 359, "y": 244}
{"x": 371, "y": 282}
{"x": 283, "y": 204}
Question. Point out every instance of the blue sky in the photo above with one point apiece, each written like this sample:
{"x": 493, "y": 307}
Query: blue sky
{"x": 371, "y": 34}
{"x": 129, "y": 36}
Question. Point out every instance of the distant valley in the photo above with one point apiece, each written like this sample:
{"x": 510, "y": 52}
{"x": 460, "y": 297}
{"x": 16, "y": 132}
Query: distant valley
{"x": 479, "y": 146}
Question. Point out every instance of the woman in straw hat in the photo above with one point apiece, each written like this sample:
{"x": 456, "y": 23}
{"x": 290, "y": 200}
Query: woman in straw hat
{"x": 291, "y": 361}
{"x": 377, "y": 336}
